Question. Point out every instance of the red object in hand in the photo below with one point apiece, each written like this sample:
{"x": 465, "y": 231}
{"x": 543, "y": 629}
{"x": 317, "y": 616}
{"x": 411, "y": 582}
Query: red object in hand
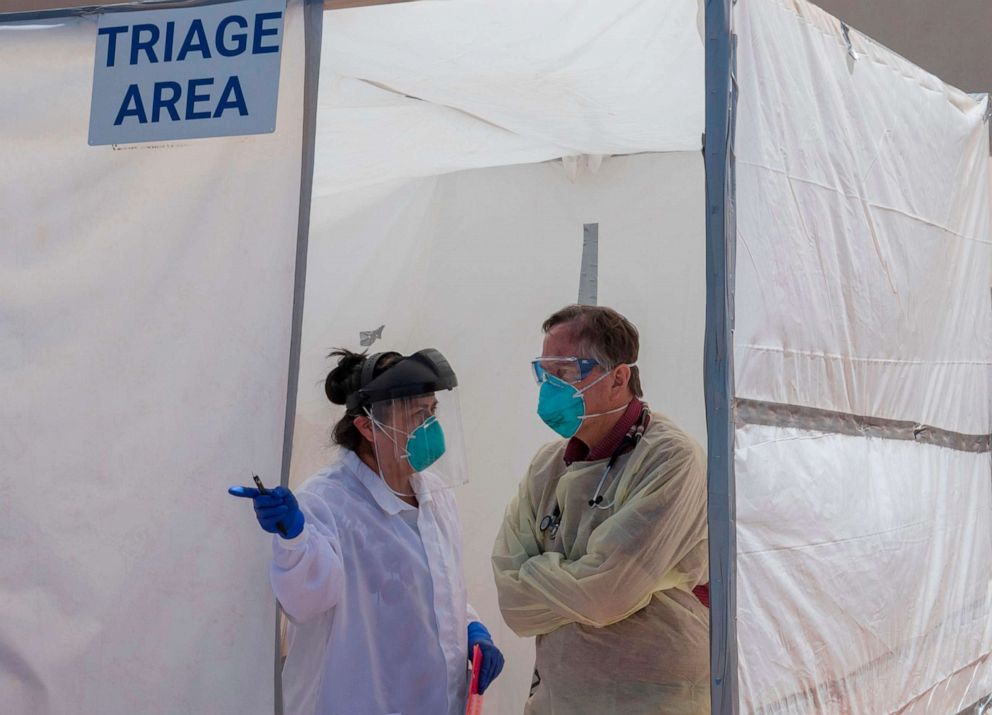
{"x": 702, "y": 592}
{"x": 474, "y": 704}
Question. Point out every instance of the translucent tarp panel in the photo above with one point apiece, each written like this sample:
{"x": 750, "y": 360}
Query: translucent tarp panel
{"x": 145, "y": 307}
{"x": 863, "y": 573}
{"x": 864, "y": 251}
{"x": 864, "y": 265}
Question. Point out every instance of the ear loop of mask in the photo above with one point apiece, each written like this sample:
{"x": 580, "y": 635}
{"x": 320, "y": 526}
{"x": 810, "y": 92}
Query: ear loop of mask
{"x": 578, "y": 394}
{"x": 382, "y": 428}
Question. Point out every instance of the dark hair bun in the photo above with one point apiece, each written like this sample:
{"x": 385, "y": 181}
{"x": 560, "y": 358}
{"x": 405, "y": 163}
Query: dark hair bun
{"x": 346, "y": 377}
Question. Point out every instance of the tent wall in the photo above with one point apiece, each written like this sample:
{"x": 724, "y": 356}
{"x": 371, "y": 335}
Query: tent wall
{"x": 863, "y": 358}
{"x": 144, "y": 348}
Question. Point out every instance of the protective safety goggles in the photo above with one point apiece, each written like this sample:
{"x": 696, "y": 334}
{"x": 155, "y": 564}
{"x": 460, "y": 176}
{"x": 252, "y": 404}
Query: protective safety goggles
{"x": 566, "y": 369}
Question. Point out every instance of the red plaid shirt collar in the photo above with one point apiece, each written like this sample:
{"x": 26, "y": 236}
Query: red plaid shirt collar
{"x": 578, "y": 451}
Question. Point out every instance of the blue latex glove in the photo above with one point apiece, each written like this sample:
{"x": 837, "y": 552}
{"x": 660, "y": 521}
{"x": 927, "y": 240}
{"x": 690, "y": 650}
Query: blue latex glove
{"x": 277, "y": 510}
{"x": 492, "y": 659}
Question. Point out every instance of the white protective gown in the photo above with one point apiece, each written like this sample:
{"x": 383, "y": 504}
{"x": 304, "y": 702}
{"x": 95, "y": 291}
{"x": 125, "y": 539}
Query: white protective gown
{"x": 609, "y": 597}
{"x": 376, "y": 601}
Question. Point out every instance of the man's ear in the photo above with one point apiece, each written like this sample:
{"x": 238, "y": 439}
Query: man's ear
{"x": 623, "y": 377}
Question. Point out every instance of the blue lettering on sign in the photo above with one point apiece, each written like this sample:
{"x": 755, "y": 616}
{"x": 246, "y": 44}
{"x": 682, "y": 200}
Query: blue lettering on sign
{"x": 261, "y": 31}
{"x": 166, "y": 95}
{"x": 146, "y": 38}
{"x": 195, "y": 33}
{"x": 112, "y": 33}
{"x": 227, "y": 101}
{"x": 170, "y": 33}
{"x": 132, "y": 96}
{"x": 192, "y": 98}
{"x": 169, "y": 72}
{"x": 137, "y": 44}
{"x": 160, "y": 102}
{"x": 240, "y": 38}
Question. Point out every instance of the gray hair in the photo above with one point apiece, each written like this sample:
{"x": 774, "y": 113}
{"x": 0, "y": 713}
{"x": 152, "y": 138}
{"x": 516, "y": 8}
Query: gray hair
{"x": 605, "y": 335}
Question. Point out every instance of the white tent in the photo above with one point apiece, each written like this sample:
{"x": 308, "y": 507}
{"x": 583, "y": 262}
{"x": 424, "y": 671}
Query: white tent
{"x": 476, "y": 165}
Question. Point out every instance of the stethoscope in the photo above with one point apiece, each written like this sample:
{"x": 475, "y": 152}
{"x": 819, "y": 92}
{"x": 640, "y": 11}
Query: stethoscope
{"x": 552, "y": 521}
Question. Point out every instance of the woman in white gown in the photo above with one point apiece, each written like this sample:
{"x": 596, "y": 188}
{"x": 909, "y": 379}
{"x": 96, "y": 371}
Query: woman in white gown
{"x": 366, "y": 557}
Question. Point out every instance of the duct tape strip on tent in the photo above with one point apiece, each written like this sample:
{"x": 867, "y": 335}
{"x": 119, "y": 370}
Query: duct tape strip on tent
{"x": 589, "y": 275}
{"x": 775, "y": 414}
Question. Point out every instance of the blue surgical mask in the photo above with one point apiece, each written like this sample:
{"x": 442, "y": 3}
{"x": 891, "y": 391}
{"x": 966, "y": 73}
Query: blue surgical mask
{"x": 562, "y": 407}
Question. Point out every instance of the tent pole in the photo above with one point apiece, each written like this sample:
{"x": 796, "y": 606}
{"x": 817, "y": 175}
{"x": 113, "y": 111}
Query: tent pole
{"x": 313, "y": 23}
{"x": 718, "y": 353}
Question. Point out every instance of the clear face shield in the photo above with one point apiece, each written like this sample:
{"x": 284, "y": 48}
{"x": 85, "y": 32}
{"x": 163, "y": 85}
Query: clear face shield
{"x": 418, "y": 441}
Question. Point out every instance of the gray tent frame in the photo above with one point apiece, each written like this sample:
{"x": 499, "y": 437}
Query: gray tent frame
{"x": 718, "y": 385}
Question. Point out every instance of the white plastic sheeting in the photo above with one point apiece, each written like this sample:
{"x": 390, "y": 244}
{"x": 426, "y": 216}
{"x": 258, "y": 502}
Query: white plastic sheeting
{"x": 864, "y": 266}
{"x": 863, "y": 574}
{"x": 145, "y": 308}
{"x": 431, "y": 87}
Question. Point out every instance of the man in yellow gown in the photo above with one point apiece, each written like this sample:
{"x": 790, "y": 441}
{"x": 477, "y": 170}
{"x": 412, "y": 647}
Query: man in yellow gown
{"x": 601, "y": 549}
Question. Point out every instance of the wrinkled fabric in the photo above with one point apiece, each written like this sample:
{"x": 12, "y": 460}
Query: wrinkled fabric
{"x": 609, "y": 598}
{"x": 864, "y": 261}
{"x": 376, "y": 602}
{"x": 470, "y": 85}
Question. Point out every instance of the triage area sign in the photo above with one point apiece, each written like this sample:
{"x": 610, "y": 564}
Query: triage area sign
{"x": 185, "y": 73}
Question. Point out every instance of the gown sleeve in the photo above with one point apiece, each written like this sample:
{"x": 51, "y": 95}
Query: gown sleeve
{"x": 307, "y": 571}
{"x": 630, "y": 555}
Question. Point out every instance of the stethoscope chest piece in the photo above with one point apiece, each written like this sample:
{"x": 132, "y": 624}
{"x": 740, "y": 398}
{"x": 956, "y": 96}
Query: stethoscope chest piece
{"x": 550, "y": 523}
